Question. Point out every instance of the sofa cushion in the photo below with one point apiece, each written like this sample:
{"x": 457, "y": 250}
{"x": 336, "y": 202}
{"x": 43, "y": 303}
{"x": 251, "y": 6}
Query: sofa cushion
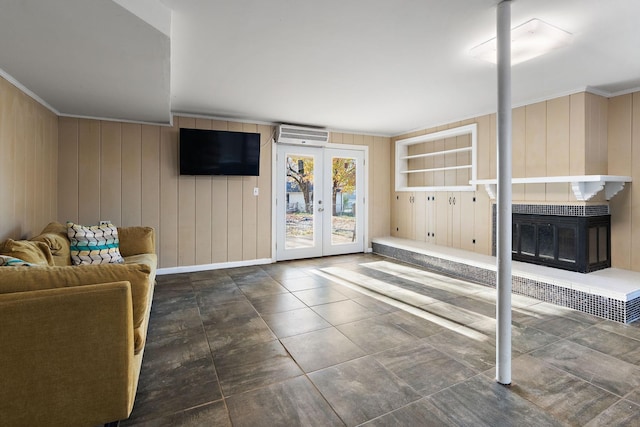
{"x": 9, "y": 261}
{"x": 136, "y": 240}
{"x": 95, "y": 244}
{"x": 31, "y": 252}
{"x": 41, "y": 277}
{"x": 55, "y": 236}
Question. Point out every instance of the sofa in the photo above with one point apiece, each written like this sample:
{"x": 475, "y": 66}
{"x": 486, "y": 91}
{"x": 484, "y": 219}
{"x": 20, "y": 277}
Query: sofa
{"x": 72, "y": 337}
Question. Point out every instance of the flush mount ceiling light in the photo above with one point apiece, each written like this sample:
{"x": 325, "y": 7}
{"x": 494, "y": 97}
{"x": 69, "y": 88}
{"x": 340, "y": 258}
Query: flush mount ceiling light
{"x": 529, "y": 40}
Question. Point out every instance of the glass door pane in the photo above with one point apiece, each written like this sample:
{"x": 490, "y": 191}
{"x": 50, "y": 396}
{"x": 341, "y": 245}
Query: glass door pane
{"x": 343, "y": 225}
{"x": 343, "y": 200}
{"x": 299, "y": 202}
{"x": 299, "y": 170}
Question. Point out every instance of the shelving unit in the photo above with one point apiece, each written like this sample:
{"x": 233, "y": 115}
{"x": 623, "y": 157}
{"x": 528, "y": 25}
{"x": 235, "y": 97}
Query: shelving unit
{"x": 439, "y": 161}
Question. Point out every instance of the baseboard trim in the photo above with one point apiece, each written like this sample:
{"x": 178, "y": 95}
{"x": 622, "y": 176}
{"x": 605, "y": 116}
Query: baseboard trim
{"x": 216, "y": 266}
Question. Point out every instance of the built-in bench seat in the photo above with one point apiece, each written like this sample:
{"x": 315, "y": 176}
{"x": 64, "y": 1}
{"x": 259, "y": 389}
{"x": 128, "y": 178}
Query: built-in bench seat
{"x": 612, "y": 293}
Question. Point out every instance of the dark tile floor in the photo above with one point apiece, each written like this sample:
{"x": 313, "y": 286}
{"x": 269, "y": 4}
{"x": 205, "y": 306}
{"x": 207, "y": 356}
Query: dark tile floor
{"x": 364, "y": 340}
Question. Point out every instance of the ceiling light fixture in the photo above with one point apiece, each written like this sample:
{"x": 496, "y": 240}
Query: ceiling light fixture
{"x": 529, "y": 40}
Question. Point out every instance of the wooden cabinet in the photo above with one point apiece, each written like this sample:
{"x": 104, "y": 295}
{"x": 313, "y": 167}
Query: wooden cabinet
{"x": 455, "y": 219}
{"x": 403, "y": 218}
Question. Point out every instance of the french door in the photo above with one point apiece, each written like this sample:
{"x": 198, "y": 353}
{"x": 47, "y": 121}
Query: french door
{"x": 319, "y": 201}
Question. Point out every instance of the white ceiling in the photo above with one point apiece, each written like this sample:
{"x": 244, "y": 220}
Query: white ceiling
{"x": 370, "y": 66}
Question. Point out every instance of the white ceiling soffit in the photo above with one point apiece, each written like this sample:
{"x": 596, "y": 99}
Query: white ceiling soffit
{"x": 90, "y": 58}
{"x": 369, "y": 66}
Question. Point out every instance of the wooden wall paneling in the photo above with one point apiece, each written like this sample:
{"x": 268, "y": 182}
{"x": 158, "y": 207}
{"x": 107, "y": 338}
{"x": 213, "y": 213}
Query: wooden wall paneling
{"x": 131, "y": 174}
{"x": 335, "y": 137}
{"x": 635, "y": 190}
{"x": 150, "y": 177}
{"x": 219, "y": 209}
{"x": 558, "y": 147}
{"x": 22, "y": 151}
{"x": 347, "y": 138}
{"x": 186, "y": 209}
{"x": 27, "y": 130}
{"x": 379, "y": 166}
{"x": 620, "y": 159}
{"x": 203, "y": 210}
{"x": 577, "y": 134}
{"x": 234, "y": 210}
{"x": 50, "y": 141}
{"x": 263, "y": 241}
{"x": 450, "y": 159}
{"x": 493, "y": 140}
{"x": 68, "y": 179}
{"x": 439, "y": 177}
{"x": 168, "y": 231}
{"x": 41, "y": 172}
{"x": 372, "y": 192}
{"x": 249, "y": 209}
{"x": 463, "y": 175}
{"x": 111, "y": 172}
{"x": 619, "y": 135}
{"x": 536, "y": 149}
{"x": 621, "y": 228}
{"x": 519, "y": 155}
{"x": 484, "y": 147}
{"x": 89, "y": 171}
{"x": 358, "y": 139}
{"x": 596, "y": 134}
{"x": 8, "y": 162}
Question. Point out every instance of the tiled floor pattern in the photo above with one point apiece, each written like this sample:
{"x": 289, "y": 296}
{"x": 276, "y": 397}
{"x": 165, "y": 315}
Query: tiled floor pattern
{"x": 364, "y": 340}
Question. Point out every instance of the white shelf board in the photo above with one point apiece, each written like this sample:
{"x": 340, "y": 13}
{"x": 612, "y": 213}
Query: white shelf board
{"x": 446, "y": 168}
{"x": 584, "y": 187}
{"x": 436, "y": 153}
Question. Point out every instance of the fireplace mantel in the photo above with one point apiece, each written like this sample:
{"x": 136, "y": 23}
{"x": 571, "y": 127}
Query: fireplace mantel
{"x": 584, "y": 187}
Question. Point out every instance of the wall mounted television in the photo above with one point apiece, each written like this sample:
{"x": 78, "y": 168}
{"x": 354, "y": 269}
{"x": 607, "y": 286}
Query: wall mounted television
{"x": 216, "y": 152}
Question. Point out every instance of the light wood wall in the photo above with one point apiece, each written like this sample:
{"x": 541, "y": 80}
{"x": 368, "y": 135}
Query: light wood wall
{"x": 28, "y": 164}
{"x": 624, "y": 159}
{"x": 128, "y": 173}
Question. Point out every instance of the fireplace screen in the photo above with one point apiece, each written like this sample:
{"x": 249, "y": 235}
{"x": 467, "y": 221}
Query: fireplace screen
{"x": 577, "y": 243}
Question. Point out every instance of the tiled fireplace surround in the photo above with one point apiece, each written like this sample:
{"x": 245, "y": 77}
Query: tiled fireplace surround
{"x": 567, "y": 289}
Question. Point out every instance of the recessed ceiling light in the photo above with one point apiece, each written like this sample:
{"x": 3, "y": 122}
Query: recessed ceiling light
{"x": 529, "y": 40}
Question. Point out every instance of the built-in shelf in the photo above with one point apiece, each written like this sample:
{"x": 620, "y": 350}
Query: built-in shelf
{"x": 584, "y": 187}
{"x": 438, "y": 161}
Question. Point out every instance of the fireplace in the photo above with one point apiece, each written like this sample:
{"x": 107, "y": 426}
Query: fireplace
{"x": 570, "y": 239}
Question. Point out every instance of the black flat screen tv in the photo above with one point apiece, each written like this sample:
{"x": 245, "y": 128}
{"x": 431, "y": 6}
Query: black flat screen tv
{"x": 216, "y": 152}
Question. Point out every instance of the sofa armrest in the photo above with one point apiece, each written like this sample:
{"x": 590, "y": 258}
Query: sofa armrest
{"x": 66, "y": 355}
{"x": 136, "y": 240}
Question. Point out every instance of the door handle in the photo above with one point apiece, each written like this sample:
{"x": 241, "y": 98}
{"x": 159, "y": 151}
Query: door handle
{"x": 320, "y": 209}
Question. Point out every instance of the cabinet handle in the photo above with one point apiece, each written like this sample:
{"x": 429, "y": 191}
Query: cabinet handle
{"x": 454, "y": 200}
{"x": 449, "y": 200}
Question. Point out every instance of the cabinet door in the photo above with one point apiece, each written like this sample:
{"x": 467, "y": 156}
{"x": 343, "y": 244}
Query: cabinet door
{"x": 443, "y": 219}
{"x": 404, "y": 215}
{"x": 455, "y": 210}
{"x": 419, "y": 217}
{"x": 467, "y": 206}
{"x": 430, "y": 216}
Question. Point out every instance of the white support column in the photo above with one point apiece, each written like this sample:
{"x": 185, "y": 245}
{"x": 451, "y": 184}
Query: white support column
{"x": 503, "y": 234}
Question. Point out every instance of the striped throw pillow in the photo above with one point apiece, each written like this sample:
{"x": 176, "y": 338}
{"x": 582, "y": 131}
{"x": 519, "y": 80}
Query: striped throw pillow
{"x": 95, "y": 244}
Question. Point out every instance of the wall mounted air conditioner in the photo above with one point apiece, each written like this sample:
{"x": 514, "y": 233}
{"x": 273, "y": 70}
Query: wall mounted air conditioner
{"x": 288, "y": 134}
